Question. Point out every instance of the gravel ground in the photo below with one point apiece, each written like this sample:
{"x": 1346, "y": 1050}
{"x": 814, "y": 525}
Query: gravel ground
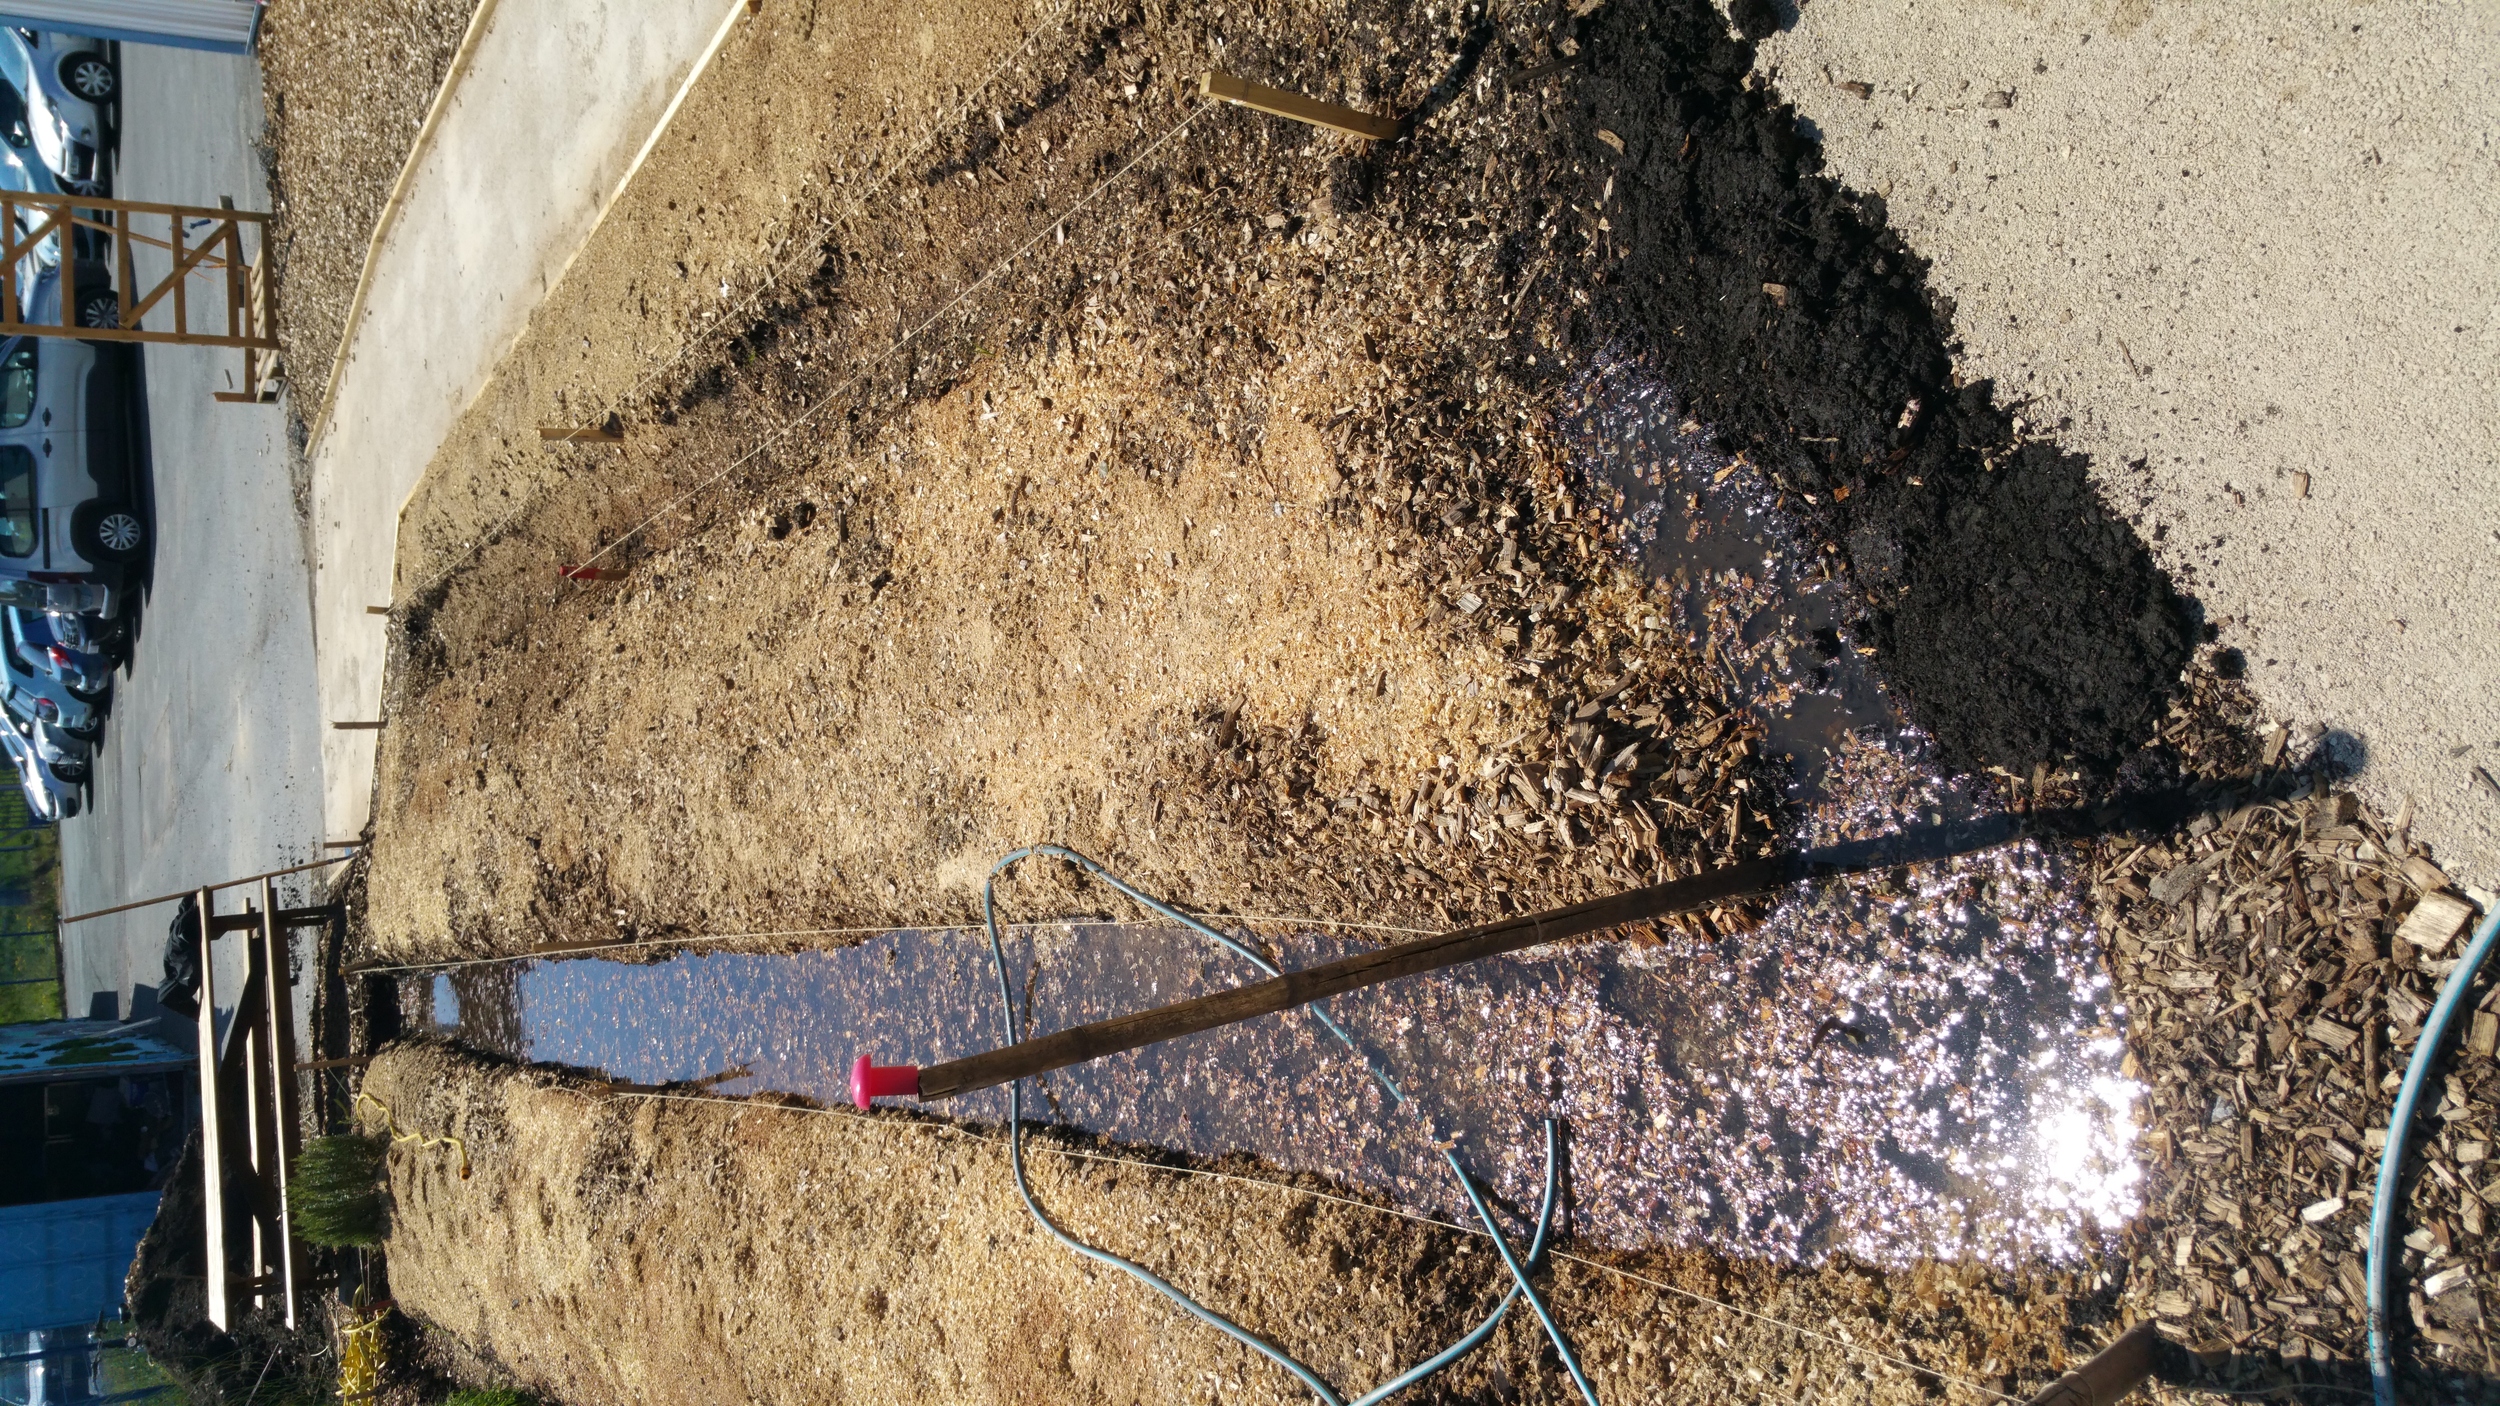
{"x": 348, "y": 85}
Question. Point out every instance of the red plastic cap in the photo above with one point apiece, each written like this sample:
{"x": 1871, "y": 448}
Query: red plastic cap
{"x": 883, "y": 1081}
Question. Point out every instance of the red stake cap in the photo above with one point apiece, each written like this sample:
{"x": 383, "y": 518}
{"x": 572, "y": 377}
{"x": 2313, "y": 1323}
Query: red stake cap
{"x": 883, "y": 1081}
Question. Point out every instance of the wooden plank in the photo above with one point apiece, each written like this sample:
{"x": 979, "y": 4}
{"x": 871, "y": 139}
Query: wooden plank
{"x": 212, "y": 1133}
{"x": 133, "y": 334}
{"x": 280, "y": 1010}
{"x": 1081, "y": 1043}
{"x": 212, "y": 888}
{"x": 183, "y": 265}
{"x": 247, "y": 1047}
{"x": 580, "y": 434}
{"x": 1276, "y": 102}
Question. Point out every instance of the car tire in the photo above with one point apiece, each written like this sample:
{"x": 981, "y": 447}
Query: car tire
{"x": 98, "y": 308}
{"x": 71, "y": 773}
{"x": 90, "y": 75}
{"x": 108, "y": 532}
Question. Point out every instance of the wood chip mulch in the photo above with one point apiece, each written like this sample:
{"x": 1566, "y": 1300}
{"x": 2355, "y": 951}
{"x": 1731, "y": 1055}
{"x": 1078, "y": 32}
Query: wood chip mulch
{"x": 2278, "y": 956}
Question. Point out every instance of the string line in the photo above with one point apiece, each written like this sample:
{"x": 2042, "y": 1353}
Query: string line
{"x": 895, "y": 351}
{"x": 762, "y": 935}
{"x": 857, "y": 207}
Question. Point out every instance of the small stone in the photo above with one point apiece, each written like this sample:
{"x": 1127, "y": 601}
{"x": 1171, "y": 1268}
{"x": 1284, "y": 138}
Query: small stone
{"x": 1856, "y": 89}
{"x": 2001, "y": 98}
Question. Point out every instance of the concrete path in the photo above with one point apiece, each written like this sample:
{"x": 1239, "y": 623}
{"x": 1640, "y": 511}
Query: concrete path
{"x": 211, "y": 766}
{"x": 558, "y": 99}
{"x": 2253, "y": 250}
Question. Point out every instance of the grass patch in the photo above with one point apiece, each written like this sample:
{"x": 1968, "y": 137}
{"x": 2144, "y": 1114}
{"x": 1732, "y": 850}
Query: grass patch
{"x": 490, "y": 1396}
{"x": 337, "y": 1197}
{"x": 30, "y": 906}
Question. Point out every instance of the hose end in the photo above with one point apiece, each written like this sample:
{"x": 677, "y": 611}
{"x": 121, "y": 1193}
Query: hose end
{"x": 874, "y": 1081}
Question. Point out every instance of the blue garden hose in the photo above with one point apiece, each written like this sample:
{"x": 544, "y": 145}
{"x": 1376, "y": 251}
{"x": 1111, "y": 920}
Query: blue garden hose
{"x": 1519, "y": 1270}
{"x": 2391, "y": 1162}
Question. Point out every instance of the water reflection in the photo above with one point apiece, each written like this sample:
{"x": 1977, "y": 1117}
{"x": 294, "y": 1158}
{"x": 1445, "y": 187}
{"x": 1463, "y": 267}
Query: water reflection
{"x": 1893, "y": 1071}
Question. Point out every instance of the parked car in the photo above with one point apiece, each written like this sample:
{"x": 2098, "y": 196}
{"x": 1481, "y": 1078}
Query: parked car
{"x": 66, "y": 83}
{"x": 47, "y": 797}
{"x": 89, "y": 634}
{"x": 33, "y": 638}
{"x": 66, "y": 755}
{"x": 32, "y": 698}
{"x": 70, "y": 532}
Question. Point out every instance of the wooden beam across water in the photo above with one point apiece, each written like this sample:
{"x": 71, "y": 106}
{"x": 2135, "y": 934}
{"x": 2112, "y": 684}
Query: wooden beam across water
{"x": 1081, "y": 1043}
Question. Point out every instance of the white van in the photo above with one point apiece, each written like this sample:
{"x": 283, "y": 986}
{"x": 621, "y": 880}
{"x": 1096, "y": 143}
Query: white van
{"x": 70, "y": 528}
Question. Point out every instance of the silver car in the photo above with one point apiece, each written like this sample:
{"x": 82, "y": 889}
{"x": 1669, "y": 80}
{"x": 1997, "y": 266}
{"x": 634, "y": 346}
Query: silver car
{"x": 48, "y": 797}
{"x": 67, "y": 84}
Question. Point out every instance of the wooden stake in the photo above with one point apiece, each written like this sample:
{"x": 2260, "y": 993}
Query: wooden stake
{"x": 1276, "y": 102}
{"x": 1081, "y": 1043}
{"x": 377, "y": 610}
{"x": 581, "y": 434}
{"x": 2114, "y": 1371}
{"x": 356, "y": 726}
{"x": 591, "y": 573}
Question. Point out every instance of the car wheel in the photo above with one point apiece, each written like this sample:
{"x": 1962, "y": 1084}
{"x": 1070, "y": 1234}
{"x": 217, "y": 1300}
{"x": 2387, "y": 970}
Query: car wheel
{"x": 108, "y": 532}
{"x": 90, "y": 76}
{"x": 99, "y": 309}
{"x": 75, "y": 773}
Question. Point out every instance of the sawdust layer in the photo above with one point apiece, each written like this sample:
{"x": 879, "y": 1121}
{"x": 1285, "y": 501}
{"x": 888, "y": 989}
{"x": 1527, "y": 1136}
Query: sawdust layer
{"x": 653, "y": 1251}
{"x": 1234, "y": 548}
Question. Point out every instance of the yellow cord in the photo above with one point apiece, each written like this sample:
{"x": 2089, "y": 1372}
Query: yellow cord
{"x": 420, "y": 1139}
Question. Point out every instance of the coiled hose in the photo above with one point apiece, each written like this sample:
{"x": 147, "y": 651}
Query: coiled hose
{"x": 1519, "y": 1269}
{"x": 2391, "y": 1162}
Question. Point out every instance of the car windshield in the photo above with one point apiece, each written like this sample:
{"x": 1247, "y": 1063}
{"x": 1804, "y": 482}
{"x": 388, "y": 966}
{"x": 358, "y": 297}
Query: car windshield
{"x": 19, "y": 534}
{"x": 16, "y": 64}
{"x": 17, "y": 384}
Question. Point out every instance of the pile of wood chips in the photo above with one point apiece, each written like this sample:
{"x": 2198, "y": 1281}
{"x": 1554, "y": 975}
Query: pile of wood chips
{"x": 2278, "y": 960}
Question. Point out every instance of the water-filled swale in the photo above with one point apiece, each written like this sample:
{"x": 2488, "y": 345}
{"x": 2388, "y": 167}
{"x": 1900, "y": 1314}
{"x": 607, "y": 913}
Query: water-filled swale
{"x": 1920, "y": 1063}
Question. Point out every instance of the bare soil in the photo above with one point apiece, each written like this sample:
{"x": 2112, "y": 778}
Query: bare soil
{"x": 347, "y": 85}
{"x": 660, "y": 1250}
{"x": 1228, "y": 542}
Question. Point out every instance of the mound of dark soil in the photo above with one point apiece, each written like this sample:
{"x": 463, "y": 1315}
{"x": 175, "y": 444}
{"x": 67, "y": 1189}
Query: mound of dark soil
{"x": 2020, "y": 620}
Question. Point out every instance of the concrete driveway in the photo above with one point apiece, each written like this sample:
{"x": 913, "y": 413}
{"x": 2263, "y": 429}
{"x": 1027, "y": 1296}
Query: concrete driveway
{"x": 211, "y": 766}
{"x": 2244, "y": 258}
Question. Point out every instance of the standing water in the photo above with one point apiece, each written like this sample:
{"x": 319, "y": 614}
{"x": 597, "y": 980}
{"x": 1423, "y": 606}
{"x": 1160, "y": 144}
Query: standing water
{"x": 1920, "y": 1064}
